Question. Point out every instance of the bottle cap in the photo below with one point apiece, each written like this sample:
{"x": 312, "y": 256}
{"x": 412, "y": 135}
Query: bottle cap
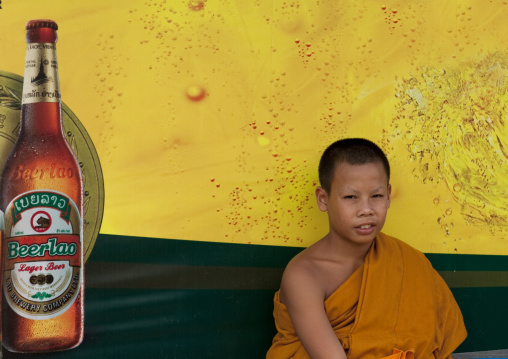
{"x": 37, "y": 24}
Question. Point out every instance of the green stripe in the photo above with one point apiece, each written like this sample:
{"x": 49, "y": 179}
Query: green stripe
{"x": 115, "y": 248}
{"x": 468, "y": 262}
{"x": 470, "y": 279}
{"x": 164, "y": 276}
{"x": 157, "y": 276}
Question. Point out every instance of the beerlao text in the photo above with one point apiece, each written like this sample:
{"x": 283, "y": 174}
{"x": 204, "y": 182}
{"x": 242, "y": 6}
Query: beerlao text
{"x": 24, "y": 173}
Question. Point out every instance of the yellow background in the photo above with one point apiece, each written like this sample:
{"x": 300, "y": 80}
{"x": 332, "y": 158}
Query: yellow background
{"x": 209, "y": 117}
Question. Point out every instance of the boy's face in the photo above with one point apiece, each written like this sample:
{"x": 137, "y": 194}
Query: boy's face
{"x": 358, "y": 201}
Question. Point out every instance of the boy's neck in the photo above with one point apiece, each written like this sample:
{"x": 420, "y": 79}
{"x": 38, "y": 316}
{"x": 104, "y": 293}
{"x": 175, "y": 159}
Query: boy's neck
{"x": 347, "y": 251}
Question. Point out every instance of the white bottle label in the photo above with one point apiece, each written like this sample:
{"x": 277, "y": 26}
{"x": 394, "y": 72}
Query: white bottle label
{"x": 42, "y": 267}
{"x": 41, "y": 74}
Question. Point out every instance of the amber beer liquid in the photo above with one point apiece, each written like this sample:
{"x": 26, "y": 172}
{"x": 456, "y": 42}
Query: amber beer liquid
{"x": 41, "y": 196}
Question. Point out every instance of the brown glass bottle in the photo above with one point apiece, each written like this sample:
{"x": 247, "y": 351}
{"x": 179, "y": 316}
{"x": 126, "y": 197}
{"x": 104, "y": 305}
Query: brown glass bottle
{"x": 41, "y": 196}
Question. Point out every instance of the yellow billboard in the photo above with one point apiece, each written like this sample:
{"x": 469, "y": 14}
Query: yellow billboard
{"x": 209, "y": 117}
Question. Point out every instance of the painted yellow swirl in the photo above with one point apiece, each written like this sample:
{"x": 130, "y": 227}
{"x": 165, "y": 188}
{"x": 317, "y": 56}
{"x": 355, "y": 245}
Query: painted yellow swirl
{"x": 453, "y": 122}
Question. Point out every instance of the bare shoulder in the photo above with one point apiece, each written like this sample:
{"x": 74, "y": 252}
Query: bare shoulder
{"x": 301, "y": 277}
{"x": 319, "y": 269}
{"x": 303, "y": 292}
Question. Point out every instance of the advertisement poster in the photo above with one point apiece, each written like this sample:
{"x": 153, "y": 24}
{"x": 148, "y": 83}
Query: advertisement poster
{"x": 199, "y": 125}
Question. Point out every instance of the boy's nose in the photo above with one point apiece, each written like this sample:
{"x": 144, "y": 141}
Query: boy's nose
{"x": 365, "y": 209}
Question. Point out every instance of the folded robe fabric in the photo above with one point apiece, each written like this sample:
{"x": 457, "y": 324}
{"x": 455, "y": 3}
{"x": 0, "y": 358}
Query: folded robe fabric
{"x": 399, "y": 354}
{"x": 394, "y": 300}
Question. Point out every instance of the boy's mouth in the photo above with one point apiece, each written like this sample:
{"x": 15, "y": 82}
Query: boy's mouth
{"x": 366, "y": 227}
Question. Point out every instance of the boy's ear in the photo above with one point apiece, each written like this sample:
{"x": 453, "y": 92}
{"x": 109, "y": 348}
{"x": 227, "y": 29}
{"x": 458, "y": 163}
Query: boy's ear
{"x": 389, "y": 194}
{"x": 322, "y": 199}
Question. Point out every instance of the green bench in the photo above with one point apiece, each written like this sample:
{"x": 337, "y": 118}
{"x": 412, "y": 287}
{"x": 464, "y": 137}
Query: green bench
{"x": 157, "y": 298}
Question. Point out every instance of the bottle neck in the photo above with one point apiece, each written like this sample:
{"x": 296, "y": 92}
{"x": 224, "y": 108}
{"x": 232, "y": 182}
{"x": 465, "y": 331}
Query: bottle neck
{"x": 41, "y": 111}
{"x": 41, "y": 119}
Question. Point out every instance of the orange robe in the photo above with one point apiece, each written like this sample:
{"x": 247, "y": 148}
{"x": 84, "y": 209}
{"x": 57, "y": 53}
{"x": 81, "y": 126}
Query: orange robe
{"x": 394, "y": 300}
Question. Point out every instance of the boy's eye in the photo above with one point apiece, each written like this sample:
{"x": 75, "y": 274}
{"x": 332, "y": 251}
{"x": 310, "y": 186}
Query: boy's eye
{"x": 349, "y": 197}
{"x": 378, "y": 196}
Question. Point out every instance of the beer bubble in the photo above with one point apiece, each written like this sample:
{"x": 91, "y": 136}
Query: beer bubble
{"x": 436, "y": 200}
{"x": 195, "y": 93}
{"x": 196, "y": 5}
{"x": 263, "y": 141}
{"x": 448, "y": 211}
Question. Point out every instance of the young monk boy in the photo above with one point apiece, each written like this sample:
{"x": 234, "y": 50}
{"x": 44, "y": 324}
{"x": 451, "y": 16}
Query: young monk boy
{"x": 359, "y": 293}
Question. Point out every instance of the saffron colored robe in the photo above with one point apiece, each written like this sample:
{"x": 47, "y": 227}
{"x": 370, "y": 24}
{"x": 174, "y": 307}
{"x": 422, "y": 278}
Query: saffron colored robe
{"x": 394, "y": 301}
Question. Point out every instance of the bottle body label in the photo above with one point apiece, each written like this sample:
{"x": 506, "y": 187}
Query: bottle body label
{"x": 42, "y": 267}
{"x": 41, "y": 74}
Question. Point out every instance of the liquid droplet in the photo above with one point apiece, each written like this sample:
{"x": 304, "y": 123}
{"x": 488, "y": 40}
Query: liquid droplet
{"x": 196, "y": 93}
{"x": 263, "y": 141}
{"x": 196, "y": 5}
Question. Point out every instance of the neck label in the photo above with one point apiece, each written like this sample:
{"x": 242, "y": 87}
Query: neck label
{"x": 41, "y": 74}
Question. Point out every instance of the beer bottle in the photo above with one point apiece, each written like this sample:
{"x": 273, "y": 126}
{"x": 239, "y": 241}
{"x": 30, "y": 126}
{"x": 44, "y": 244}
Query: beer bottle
{"x": 41, "y": 196}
